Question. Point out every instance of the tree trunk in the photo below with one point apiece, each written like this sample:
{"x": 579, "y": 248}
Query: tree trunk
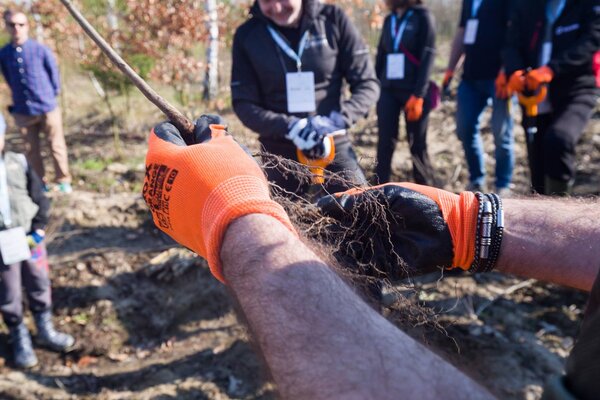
{"x": 113, "y": 23}
{"x": 211, "y": 79}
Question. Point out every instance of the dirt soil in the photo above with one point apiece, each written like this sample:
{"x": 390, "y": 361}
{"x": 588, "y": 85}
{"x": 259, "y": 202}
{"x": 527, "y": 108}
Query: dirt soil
{"x": 151, "y": 323}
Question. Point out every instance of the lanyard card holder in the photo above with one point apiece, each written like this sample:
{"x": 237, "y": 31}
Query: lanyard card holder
{"x": 396, "y": 65}
{"x": 300, "y": 91}
{"x": 471, "y": 31}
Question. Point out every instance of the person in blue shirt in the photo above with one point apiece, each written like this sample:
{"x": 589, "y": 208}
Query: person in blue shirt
{"x": 30, "y": 70}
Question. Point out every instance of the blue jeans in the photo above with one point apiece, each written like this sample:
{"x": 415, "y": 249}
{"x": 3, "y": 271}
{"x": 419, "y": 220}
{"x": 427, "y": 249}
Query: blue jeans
{"x": 473, "y": 96}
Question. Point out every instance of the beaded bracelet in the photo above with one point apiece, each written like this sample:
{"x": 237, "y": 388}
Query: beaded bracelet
{"x": 489, "y": 232}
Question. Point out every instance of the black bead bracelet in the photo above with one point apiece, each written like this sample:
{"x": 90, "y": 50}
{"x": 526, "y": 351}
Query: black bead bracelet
{"x": 489, "y": 232}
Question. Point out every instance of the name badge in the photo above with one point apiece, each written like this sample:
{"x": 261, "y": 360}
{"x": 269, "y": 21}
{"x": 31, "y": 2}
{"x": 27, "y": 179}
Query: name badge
{"x": 471, "y": 31}
{"x": 395, "y": 66}
{"x": 300, "y": 89}
{"x": 13, "y": 246}
{"x": 546, "y": 53}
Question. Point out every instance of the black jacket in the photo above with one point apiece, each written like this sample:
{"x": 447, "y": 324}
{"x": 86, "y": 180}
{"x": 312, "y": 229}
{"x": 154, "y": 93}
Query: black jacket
{"x": 483, "y": 59}
{"x": 335, "y": 52}
{"x": 576, "y": 37}
{"x": 418, "y": 45}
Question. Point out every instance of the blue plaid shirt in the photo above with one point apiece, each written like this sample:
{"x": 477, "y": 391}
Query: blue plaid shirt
{"x": 32, "y": 74}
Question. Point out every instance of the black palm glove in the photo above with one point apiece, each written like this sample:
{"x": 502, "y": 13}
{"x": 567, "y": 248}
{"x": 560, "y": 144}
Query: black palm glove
{"x": 392, "y": 231}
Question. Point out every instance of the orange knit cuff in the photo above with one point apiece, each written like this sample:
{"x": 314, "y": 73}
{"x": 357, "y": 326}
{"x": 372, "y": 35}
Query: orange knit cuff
{"x": 465, "y": 233}
{"x": 234, "y": 198}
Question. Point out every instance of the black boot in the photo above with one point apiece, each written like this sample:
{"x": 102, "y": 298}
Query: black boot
{"x": 48, "y": 336}
{"x": 23, "y": 354}
{"x": 554, "y": 187}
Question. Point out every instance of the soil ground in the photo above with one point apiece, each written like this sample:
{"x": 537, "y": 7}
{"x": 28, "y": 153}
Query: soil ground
{"x": 151, "y": 323}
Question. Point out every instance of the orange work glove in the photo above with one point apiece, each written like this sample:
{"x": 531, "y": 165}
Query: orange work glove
{"x": 425, "y": 226}
{"x": 537, "y": 77}
{"x": 414, "y": 108}
{"x": 446, "y": 93}
{"x": 516, "y": 83}
{"x": 502, "y": 91}
{"x": 195, "y": 191}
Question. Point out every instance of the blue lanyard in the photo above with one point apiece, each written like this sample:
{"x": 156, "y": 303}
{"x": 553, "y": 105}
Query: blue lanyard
{"x": 553, "y": 16}
{"x": 287, "y": 49}
{"x": 397, "y": 34}
{"x": 475, "y": 7}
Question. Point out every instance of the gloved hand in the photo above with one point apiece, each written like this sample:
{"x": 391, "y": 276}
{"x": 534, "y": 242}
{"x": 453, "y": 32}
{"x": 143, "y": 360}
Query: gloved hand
{"x": 516, "y": 82}
{"x": 36, "y": 237}
{"x": 413, "y": 108}
{"x": 337, "y": 120}
{"x": 301, "y": 133}
{"x": 446, "y": 84}
{"x": 195, "y": 191}
{"x": 537, "y": 77}
{"x": 502, "y": 91}
{"x": 309, "y": 135}
{"x": 424, "y": 226}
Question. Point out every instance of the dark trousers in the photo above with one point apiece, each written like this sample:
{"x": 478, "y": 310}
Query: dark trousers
{"x": 33, "y": 276}
{"x": 583, "y": 365}
{"x": 389, "y": 106}
{"x": 345, "y": 166}
{"x": 551, "y": 151}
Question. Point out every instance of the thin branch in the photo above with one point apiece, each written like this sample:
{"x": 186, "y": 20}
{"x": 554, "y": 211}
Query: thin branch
{"x": 185, "y": 126}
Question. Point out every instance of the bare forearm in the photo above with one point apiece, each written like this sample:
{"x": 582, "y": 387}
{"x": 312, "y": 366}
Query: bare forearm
{"x": 552, "y": 240}
{"x": 317, "y": 337}
{"x": 457, "y": 50}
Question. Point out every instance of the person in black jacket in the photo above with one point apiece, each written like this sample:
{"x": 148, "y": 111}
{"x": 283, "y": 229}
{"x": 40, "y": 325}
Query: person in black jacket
{"x": 553, "y": 43}
{"x": 404, "y": 61}
{"x": 24, "y": 211}
{"x": 290, "y": 61}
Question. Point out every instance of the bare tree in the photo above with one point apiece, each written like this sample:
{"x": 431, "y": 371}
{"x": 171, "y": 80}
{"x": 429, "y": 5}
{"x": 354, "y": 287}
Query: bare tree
{"x": 211, "y": 79}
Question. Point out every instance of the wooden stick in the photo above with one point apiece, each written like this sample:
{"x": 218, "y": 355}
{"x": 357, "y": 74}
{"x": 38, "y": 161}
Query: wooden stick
{"x": 185, "y": 126}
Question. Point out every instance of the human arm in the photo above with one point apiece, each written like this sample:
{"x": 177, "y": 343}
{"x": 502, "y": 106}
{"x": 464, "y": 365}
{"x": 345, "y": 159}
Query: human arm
{"x": 552, "y": 240}
{"x": 513, "y": 46}
{"x": 426, "y": 56}
{"x": 318, "y": 338}
{"x": 428, "y": 229}
{"x": 52, "y": 70}
{"x": 380, "y": 61}
{"x": 246, "y": 96}
{"x": 457, "y": 50}
{"x": 357, "y": 69}
{"x": 580, "y": 53}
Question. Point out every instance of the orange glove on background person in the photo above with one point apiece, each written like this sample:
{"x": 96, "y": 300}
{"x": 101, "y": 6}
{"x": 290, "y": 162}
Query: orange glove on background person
{"x": 537, "y": 77}
{"x": 502, "y": 91}
{"x": 516, "y": 83}
{"x": 195, "y": 191}
{"x": 446, "y": 83}
{"x": 425, "y": 226}
{"x": 414, "y": 108}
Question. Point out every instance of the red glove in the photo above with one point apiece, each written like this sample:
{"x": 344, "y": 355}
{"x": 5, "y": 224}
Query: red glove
{"x": 537, "y": 77}
{"x": 447, "y": 78}
{"x": 414, "y": 108}
{"x": 502, "y": 91}
{"x": 516, "y": 83}
{"x": 194, "y": 192}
